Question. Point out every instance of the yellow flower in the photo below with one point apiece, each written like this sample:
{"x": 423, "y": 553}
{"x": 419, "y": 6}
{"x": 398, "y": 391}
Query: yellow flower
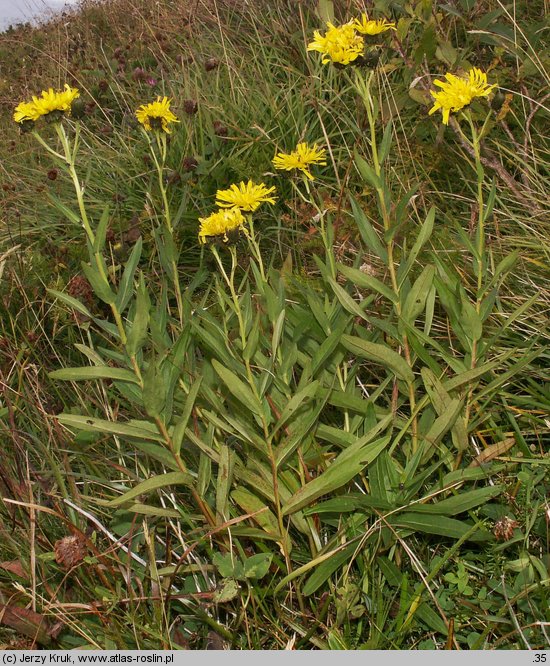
{"x": 246, "y": 196}
{"x": 368, "y": 26}
{"x": 457, "y": 92}
{"x": 340, "y": 44}
{"x": 156, "y": 115}
{"x": 300, "y": 158}
{"x": 50, "y": 100}
{"x": 220, "y": 222}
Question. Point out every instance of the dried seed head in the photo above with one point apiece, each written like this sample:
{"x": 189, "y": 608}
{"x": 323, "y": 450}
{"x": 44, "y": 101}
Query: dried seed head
{"x": 70, "y": 551}
{"x": 190, "y": 106}
{"x": 220, "y": 129}
{"x": 189, "y": 164}
{"x": 504, "y": 528}
{"x": 211, "y": 63}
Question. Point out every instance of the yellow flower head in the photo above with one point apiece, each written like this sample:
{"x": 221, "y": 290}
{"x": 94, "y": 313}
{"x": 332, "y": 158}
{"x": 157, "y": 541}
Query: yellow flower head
{"x": 220, "y": 222}
{"x": 301, "y": 158}
{"x": 156, "y": 115}
{"x": 50, "y": 100}
{"x": 457, "y": 92}
{"x": 246, "y": 196}
{"x": 340, "y": 44}
{"x": 367, "y": 26}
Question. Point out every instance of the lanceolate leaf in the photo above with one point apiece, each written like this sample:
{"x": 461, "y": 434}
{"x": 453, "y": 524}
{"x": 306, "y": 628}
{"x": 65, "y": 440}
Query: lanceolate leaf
{"x": 422, "y": 238}
{"x": 126, "y": 286}
{"x": 99, "y": 284}
{"x": 342, "y": 470}
{"x": 154, "y": 483}
{"x": 380, "y": 354}
{"x": 367, "y": 281}
{"x": 71, "y": 302}
{"x": 368, "y": 234}
{"x": 94, "y": 372}
{"x": 416, "y": 299}
{"x": 440, "y": 525}
{"x": 238, "y": 388}
{"x": 463, "y": 501}
{"x": 92, "y": 424}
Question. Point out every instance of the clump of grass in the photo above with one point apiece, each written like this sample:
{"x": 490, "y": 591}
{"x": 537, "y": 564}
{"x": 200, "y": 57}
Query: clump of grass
{"x": 330, "y": 431}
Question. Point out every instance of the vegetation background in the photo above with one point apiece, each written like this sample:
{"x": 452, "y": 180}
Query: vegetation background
{"x": 362, "y": 519}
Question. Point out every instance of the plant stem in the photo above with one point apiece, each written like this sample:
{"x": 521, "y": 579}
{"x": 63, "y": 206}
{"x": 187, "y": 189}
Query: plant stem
{"x": 69, "y": 159}
{"x": 230, "y": 281}
{"x": 364, "y": 91}
{"x": 480, "y": 245}
{"x": 79, "y": 190}
{"x": 159, "y": 164}
{"x": 255, "y": 247}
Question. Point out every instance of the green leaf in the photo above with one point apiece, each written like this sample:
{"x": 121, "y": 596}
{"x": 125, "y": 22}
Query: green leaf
{"x": 101, "y": 231}
{"x": 326, "y": 568}
{"x": 135, "y": 429}
{"x": 441, "y": 402}
{"x": 228, "y": 565}
{"x": 325, "y": 11}
{"x": 257, "y": 566}
{"x": 325, "y": 351}
{"x": 99, "y": 284}
{"x": 416, "y": 298}
{"x": 300, "y": 429}
{"x": 154, "y": 483}
{"x": 252, "y": 504}
{"x": 277, "y": 333}
{"x": 138, "y": 332}
{"x": 463, "y": 501}
{"x": 503, "y": 267}
{"x": 93, "y": 372}
{"x": 368, "y": 234}
{"x": 67, "y": 212}
{"x": 440, "y": 525}
{"x": 181, "y": 425}
{"x": 154, "y": 390}
{"x": 71, "y": 302}
{"x": 163, "y": 455}
{"x": 488, "y": 209}
{"x": 367, "y": 172}
{"x": 423, "y": 236}
{"x": 348, "y": 303}
{"x": 443, "y": 423}
{"x": 361, "y": 279}
{"x": 238, "y": 388}
{"x": 295, "y": 403}
{"x": 343, "y": 469}
{"x": 380, "y": 354}
{"x": 157, "y": 511}
{"x": 126, "y": 286}
{"x": 228, "y": 591}
{"x": 385, "y": 144}
{"x": 224, "y": 481}
{"x": 471, "y": 321}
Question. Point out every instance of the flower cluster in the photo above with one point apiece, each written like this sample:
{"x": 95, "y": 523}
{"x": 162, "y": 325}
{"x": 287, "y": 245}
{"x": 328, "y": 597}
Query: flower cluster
{"x": 345, "y": 44}
{"x": 245, "y": 196}
{"x": 56, "y": 102}
{"x": 457, "y": 92}
{"x": 156, "y": 115}
{"x": 300, "y": 159}
{"x": 232, "y": 202}
{"x": 340, "y": 44}
{"x": 220, "y": 223}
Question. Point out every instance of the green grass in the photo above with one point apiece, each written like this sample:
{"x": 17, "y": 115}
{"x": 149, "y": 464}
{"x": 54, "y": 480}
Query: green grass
{"x": 351, "y": 454}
